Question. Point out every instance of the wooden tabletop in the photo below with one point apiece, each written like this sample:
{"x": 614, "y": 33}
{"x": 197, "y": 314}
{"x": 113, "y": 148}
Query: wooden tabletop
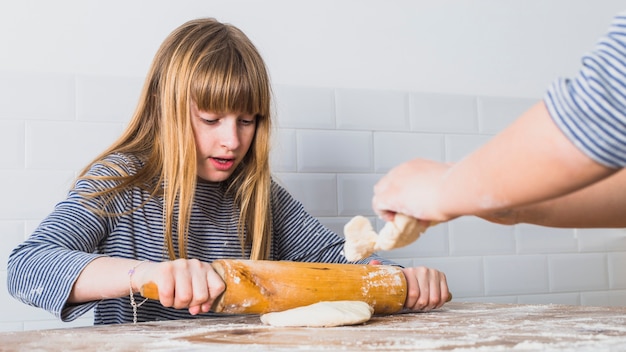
{"x": 457, "y": 327}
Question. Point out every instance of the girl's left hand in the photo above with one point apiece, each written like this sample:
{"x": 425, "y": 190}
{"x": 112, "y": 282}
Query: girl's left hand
{"x": 427, "y": 289}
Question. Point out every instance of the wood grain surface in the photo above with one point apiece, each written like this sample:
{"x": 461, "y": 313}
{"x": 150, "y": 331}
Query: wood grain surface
{"x": 455, "y": 327}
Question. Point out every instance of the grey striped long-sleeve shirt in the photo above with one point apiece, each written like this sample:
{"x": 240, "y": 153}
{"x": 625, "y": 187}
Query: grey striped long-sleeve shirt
{"x": 591, "y": 108}
{"x": 43, "y": 269}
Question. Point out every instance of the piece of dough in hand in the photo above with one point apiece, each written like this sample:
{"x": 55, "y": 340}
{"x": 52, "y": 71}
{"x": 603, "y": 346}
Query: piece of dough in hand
{"x": 362, "y": 240}
{"x": 321, "y": 314}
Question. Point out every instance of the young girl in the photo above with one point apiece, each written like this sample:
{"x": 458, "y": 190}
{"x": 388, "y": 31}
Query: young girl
{"x": 187, "y": 183}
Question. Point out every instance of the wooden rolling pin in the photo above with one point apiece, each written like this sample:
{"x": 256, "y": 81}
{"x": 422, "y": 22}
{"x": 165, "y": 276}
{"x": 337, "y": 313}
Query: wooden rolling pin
{"x": 261, "y": 286}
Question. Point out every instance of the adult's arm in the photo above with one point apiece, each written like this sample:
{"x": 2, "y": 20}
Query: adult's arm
{"x": 602, "y": 204}
{"x": 531, "y": 161}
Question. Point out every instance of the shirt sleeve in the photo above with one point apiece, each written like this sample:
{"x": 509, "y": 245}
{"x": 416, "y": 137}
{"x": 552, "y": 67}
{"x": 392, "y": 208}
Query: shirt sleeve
{"x": 298, "y": 236}
{"x": 42, "y": 270}
{"x": 590, "y": 109}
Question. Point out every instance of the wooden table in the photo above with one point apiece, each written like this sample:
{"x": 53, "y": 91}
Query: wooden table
{"x": 456, "y": 327}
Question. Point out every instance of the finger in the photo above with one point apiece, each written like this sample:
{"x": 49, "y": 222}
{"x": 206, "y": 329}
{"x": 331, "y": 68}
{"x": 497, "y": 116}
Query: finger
{"x": 424, "y": 283}
{"x": 165, "y": 280}
{"x": 375, "y": 262}
{"x": 434, "y": 297}
{"x": 183, "y": 290}
{"x": 445, "y": 292}
{"x": 216, "y": 284}
{"x": 413, "y": 289}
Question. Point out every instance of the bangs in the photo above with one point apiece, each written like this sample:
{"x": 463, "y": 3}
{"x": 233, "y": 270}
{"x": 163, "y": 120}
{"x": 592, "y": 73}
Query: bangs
{"x": 224, "y": 82}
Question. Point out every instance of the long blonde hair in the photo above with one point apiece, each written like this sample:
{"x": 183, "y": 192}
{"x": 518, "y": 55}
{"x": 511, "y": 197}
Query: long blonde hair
{"x": 216, "y": 66}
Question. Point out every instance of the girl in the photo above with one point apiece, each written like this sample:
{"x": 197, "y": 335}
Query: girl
{"x": 187, "y": 183}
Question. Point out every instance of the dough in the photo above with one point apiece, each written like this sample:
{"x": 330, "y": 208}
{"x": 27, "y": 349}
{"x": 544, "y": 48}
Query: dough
{"x": 321, "y": 314}
{"x": 362, "y": 240}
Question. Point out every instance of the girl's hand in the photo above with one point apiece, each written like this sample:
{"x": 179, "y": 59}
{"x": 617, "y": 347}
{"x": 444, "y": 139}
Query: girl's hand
{"x": 182, "y": 283}
{"x": 426, "y": 289}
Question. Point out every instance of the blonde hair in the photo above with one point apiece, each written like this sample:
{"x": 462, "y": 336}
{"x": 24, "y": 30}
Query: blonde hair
{"x": 216, "y": 66}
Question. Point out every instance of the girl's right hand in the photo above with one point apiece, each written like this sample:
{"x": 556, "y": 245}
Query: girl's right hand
{"x": 182, "y": 283}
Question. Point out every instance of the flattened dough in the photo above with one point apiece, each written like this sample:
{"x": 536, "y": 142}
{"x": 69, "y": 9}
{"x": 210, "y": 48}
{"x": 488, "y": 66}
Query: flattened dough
{"x": 321, "y": 314}
{"x": 362, "y": 240}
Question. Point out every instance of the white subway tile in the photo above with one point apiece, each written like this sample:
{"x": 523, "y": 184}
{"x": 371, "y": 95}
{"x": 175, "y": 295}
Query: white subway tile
{"x": 604, "y": 298}
{"x": 36, "y": 96}
{"x": 12, "y": 326}
{"x": 489, "y": 299}
{"x": 355, "y": 193}
{"x": 334, "y": 151}
{"x": 12, "y": 144}
{"x": 516, "y": 274}
{"x": 532, "y": 239}
{"x": 107, "y": 99}
{"x": 443, "y": 113}
{"x": 334, "y": 224}
{"x": 496, "y": 113}
{"x": 578, "y": 272}
{"x": 30, "y": 195}
{"x": 550, "y": 298}
{"x": 617, "y": 270}
{"x": 83, "y": 321}
{"x": 458, "y": 146}
{"x": 31, "y": 226}
{"x": 12, "y": 234}
{"x": 463, "y": 274}
{"x": 601, "y": 240}
{"x": 362, "y": 109}
{"x": 67, "y": 145}
{"x": 473, "y": 236}
{"x": 392, "y": 149}
{"x": 304, "y": 107}
{"x": 283, "y": 157}
{"x": 432, "y": 243}
{"x": 317, "y": 192}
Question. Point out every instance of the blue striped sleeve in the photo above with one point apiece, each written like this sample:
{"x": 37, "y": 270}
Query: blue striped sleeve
{"x": 590, "y": 109}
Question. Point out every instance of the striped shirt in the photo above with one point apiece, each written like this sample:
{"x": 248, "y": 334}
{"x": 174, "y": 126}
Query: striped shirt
{"x": 43, "y": 269}
{"x": 590, "y": 109}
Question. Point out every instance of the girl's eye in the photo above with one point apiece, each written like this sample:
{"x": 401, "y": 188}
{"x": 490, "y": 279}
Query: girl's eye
{"x": 209, "y": 122}
{"x": 247, "y": 122}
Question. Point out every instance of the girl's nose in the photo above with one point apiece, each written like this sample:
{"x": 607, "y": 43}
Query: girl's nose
{"x": 229, "y": 136}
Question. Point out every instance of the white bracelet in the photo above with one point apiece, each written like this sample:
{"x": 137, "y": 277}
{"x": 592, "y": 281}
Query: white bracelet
{"x": 132, "y": 295}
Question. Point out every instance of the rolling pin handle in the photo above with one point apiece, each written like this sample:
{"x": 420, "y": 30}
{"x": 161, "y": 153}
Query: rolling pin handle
{"x": 150, "y": 290}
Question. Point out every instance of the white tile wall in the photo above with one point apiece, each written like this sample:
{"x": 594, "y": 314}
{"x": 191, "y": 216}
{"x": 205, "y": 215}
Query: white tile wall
{"x": 12, "y": 138}
{"x": 443, "y": 113}
{"x": 570, "y": 272}
{"x": 533, "y": 239}
{"x": 330, "y": 147}
{"x": 334, "y": 151}
{"x": 521, "y": 274}
{"x": 393, "y": 148}
{"x": 372, "y": 110}
{"x": 66, "y": 145}
{"x": 106, "y": 98}
{"x": 36, "y": 97}
{"x": 498, "y": 112}
{"x": 305, "y": 107}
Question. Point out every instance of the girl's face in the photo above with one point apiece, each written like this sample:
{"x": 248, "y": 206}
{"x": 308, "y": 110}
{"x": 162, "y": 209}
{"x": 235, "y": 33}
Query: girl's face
{"x": 222, "y": 141}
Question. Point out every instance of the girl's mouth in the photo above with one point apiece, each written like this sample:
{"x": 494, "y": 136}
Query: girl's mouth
{"x": 222, "y": 164}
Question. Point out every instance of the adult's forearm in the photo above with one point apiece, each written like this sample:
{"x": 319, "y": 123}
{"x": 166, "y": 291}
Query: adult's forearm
{"x": 529, "y": 162}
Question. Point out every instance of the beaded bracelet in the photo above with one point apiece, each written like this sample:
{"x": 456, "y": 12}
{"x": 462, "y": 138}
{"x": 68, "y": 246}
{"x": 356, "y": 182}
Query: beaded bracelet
{"x": 132, "y": 295}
